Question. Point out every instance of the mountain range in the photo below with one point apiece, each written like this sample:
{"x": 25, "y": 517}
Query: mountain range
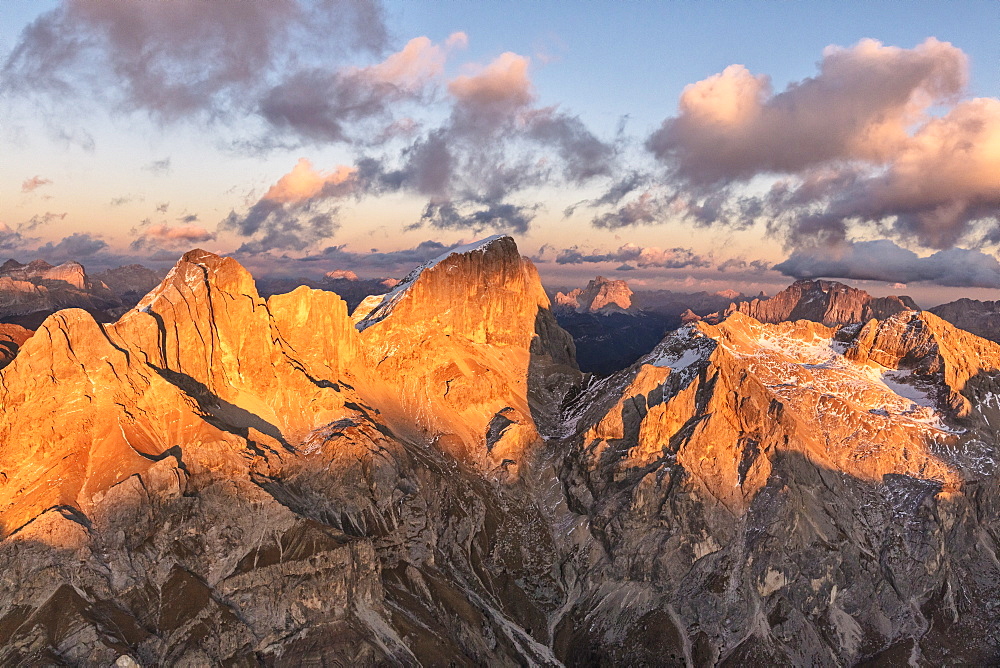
{"x": 216, "y": 478}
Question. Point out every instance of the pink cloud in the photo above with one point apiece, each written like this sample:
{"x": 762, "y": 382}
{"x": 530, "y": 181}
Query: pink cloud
{"x": 879, "y": 138}
{"x": 503, "y": 84}
{"x": 418, "y": 62}
{"x": 34, "y": 183}
{"x": 174, "y": 237}
{"x": 304, "y": 183}
{"x": 859, "y": 107}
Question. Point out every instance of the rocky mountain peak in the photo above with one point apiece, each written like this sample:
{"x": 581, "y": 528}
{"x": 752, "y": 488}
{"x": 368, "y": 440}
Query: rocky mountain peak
{"x": 468, "y": 291}
{"x": 199, "y": 271}
{"x": 459, "y": 338}
{"x": 982, "y": 318}
{"x": 602, "y": 295}
{"x": 36, "y": 266}
{"x": 216, "y": 479}
{"x": 827, "y": 302}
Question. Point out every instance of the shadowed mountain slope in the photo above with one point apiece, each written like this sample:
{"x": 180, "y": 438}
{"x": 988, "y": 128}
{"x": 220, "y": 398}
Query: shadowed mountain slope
{"x": 222, "y": 479}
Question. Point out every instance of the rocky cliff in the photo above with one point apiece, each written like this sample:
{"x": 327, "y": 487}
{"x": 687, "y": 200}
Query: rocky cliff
{"x": 222, "y": 479}
{"x": 602, "y": 295}
{"x": 826, "y": 302}
{"x": 792, "y": 494}
{"x": 40, "y": 287}
{"x": 982, "y": 318}
{"x": 130, "y": 282}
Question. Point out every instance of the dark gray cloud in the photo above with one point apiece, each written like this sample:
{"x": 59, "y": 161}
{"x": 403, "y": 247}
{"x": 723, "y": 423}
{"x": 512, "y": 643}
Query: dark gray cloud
{"x": 328, "y": 106}
{"x": 271, "y": 225}
{"x": 614, "y": 193}
{"x": 126, "y": 199}
{"x": 40, "y": 219}
{"x": 174, "y": 59}
{"x": 495, "y": 145}
{"x": 491, "y": 216}
{"x": 298, "y": 211}
{"x": 158, "y": 167}
{"x": 163, "y": 237}
{"x": 371, "y": 263}
{"x": 10, "y": 239}
{"x": 636, "y": 257}
{"x": 404, "y": 259}
{"x": 885, "y": 261}
{"x": 744, "y": 266}
{"x": 583, "y": 155}
{"x": 647, "y": 209}
{"x": 77, "y": 246}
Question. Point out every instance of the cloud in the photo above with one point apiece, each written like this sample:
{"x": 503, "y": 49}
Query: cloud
{"x": 647, "y": 209}
{"x": 880, "y": 139}
{"x": 743, "y": 266}
{"x": 304, "y": 183}
{"x": 404, "y": 259}
{"x": 38, "y": 220}
{"x": 323, "y": 105}
{"x": 77, "y": 246}
{"x": 373, "y": 262}
{"x": 732, "y": 126}
{"x": 471, "y": 146}
{"x": 341, "y": 274}
{"x": 10, "y": 239}
{"x": 491, "y": 215}
{"x": 494, "y": 92}
{"x": 34, "y": 183}
{"x": 295, "y": 212}
{"x": 167, "y": 237}
{"x": 271, "y": 226}
{"x": 158, "y": 167}
{"x": 495, "y": 145}
{"x": 184, "y": 57}
{"x": 125, "y": 199}
{"x": 636, "y": 256}
{"x": 883, "y": 260}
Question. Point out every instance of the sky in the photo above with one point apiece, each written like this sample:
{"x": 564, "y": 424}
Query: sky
{"x": 678, "y": 145}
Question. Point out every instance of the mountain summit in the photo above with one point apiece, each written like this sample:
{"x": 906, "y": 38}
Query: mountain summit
{"x": 826, "y": 302}
{"x": 217, "y": 478}
{"x": 602, "y": 295}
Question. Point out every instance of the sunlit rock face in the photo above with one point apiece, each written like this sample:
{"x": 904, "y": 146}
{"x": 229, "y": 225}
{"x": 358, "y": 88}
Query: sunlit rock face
{"x": 222, "y": 479}
{"x": 12, "y": 337}
{"x": 826, "y": 302}
{"x": 451, "y": 346}
{"x": 981, "y": 318}
{"x": 792, "y": 494}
